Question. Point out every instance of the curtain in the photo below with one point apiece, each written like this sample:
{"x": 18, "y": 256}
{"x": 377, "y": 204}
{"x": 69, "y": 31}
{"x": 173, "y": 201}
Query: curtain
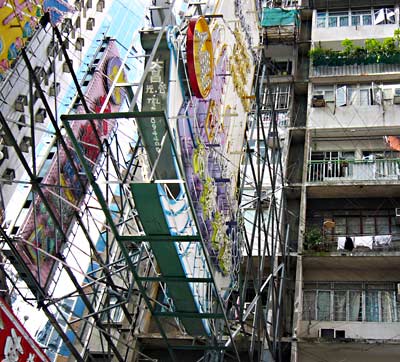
{"x": 355, "y": 306}
{"x": 371, "y": 306}
{"x": 323, "y": 305}
{"x": 387, "y": 306}
{"x": 340, "y": 306}
{"x": 309, "y": 305}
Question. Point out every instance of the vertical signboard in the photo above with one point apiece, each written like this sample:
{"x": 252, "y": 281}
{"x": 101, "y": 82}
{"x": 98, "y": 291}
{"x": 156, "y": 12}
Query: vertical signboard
{"x": 204, "y": 137}
{"x": 153, "y": 129}
{"x": 16, "y": 344}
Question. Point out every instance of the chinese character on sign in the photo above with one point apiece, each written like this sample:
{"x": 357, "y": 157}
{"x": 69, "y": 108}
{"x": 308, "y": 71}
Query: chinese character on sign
{"x": 12, "y": 348}
{"x": 155, "y": 72}
{"x": 149, "y": 89}
{"x": 162, "y": 88}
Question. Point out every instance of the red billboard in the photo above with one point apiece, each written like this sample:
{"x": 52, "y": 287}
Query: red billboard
{"x": 16, "y": 344}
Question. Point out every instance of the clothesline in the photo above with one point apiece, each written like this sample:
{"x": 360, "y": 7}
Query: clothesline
{"x": 365, "y": 241}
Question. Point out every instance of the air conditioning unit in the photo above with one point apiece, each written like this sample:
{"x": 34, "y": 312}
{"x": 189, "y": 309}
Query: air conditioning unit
{"x": 331, "y": 333}
{"x": 318, "y": 101}
{"x": 39, "y": 73}
{"x": 65, "y": 68}
{"x": 80, "y": 42}
{"x": 54, "y": 89}
{"x": 100, "y": 6}
{"x": 20, "y": 102}
{"x": 8, "y": 176}
{"x": 40, "y": 115}
{"x": 327, "y": 333}
{"x": 396, "y": 97}
{"x": 397, "y": 213}
{"x": 25, "y": 144}
{"x": 90, "y": 24}
{"x": 51, "y": 49}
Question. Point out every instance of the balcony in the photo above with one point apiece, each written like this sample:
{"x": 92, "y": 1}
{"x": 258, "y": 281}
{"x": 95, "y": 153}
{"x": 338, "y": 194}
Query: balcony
{"x": 338, "y": 171}
{"x": 355, "y": 245}
{"x": 354, "y": 70}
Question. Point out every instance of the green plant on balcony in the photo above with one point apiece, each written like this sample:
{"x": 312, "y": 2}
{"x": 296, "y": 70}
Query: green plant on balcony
{"x": 313, "y": 238}
{"x": 373, "y": 52}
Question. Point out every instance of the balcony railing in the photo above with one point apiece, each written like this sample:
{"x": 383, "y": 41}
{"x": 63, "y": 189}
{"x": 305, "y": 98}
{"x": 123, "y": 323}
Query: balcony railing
{"x": 361, "y": 244}
{"x": 353, "y": 170}
{"x": 354, "y": 69}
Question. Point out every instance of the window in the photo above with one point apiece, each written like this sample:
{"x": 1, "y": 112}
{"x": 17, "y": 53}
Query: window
{"x": 114, "y": 313}
{"x": 384, "y": 16}
{"x": 377, "y": 16}
{"x": 336, "y": 301}
{"x": 358, "y": 95}
{"x": 361, "y": 18}
{"x": 321, "y": 19}
{"x": 336, "y": 19}
{"x": 278, "y": 97}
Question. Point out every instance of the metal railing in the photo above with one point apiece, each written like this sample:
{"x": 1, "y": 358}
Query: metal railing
{"x": 353, "y": 69}
{"x": 353, "y": 170}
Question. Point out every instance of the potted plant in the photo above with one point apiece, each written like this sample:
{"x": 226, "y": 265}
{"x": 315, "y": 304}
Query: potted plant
{"x": 313, "y": 238}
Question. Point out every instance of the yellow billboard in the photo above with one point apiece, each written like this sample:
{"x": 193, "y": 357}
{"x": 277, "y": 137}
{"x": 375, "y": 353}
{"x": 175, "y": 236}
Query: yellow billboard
{"x": 19, "y": 20}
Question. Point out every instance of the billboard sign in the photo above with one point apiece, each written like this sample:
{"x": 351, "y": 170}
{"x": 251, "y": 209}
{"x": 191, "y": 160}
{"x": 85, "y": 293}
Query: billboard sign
{"x": 19, "y": 20}
{"x": 200, "y": 55}
{"x": 16, "y": 344}
{"x": 41, "y": 242}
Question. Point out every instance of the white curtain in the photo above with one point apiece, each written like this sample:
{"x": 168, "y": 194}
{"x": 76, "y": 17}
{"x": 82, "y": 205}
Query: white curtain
{"x": 355, "y": 306}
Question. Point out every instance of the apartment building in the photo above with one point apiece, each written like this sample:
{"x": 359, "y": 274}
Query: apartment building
{"x": 346, "y": 301}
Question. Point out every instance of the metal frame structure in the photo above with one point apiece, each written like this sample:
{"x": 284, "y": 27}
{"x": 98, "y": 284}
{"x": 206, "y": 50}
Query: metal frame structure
{"x": 127, "y": 268}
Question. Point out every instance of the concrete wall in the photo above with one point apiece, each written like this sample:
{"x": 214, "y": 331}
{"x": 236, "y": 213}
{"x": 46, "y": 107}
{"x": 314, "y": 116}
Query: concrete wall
{"x": 356, "y": 330}
{"x": 351, "y": 117}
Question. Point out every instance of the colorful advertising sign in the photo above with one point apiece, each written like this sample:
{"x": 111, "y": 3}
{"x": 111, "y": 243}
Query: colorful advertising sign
{"x": 200, "y": 55}
{"x": 16, "y": 345}
{"x": 19, "y": 20}
{"x": 203, "y": 136}
{"x": 63, "y": 191}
